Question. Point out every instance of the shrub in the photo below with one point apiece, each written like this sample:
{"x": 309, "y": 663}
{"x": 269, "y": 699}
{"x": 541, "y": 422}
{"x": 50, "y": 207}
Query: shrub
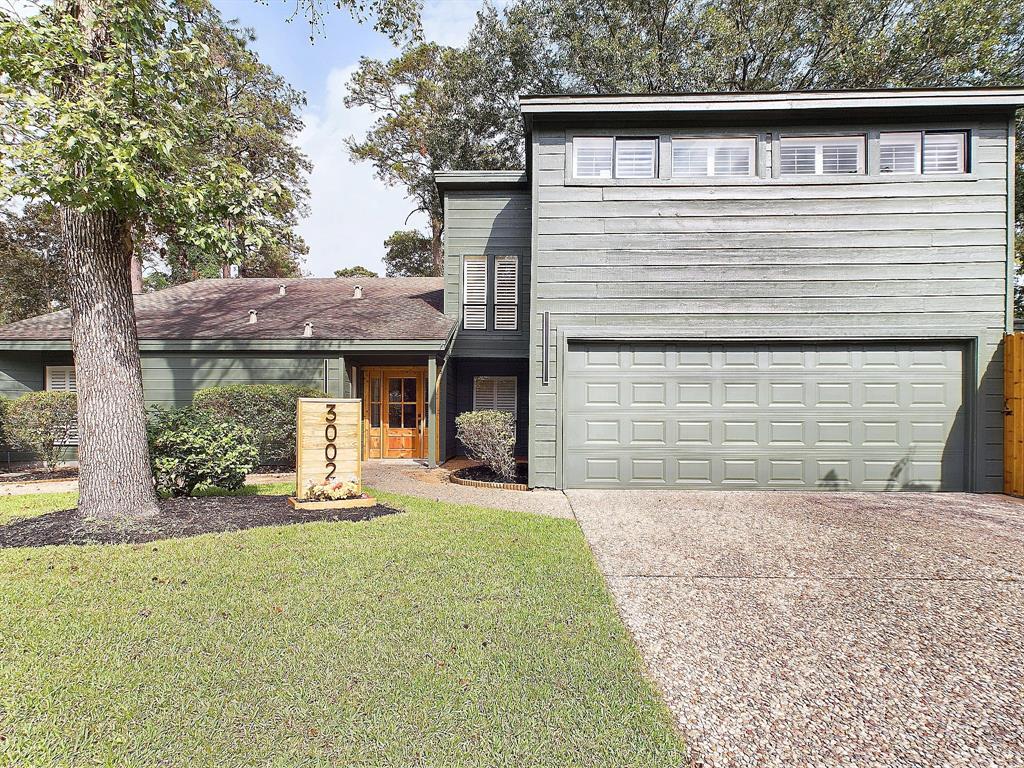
{"x": 191, "y": 449}
{"x": 268, "y": 409}
{"x": 3, "y": 421}
{"x": 490, "y": 438}
{"x": 43, "y": 423}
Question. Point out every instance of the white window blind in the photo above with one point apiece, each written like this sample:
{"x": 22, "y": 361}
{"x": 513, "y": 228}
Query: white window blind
{"x": 945, "y": 152}
{"x": 506, "y": 293}
{"x": 713, "y": 157}
{"x": 817, "y": 156}
{"x": 592, "y": 156}
{"x": 474, "y": 292}
{"x": 636, "y": 158}
{"x": 494, "y": 393}
{"x": 61, "y": 378}
{"x": 899, "y": 152}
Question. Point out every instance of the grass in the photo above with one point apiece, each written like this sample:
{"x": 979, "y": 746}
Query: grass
{"x": 444, "y": 636}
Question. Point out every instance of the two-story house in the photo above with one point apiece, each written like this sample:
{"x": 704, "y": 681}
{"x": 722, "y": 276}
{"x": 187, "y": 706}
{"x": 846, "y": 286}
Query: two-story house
{"x": 774, "y": 290}
{"x": 771, "y": 290}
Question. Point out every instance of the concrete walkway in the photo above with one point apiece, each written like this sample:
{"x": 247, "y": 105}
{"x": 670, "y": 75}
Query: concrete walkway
{"x": 808, "y": 629}
{"x": 413, "y": 479}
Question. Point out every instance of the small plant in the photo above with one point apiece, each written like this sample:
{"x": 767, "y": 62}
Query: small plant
{"x": 3, "y": 420}
{"x": 335, "y": 491}
{"x": 192, "y": 449}
{"x": 490, "y": 438}
{"x": 43, "y": 423}
{"x": 268, "y": 409}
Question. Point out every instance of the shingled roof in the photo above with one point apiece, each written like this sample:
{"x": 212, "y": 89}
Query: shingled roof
{"x": 400, "y": 308}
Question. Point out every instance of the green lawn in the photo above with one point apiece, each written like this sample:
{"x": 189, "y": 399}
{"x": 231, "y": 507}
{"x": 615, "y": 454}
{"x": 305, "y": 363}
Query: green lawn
{"x": 445, "y": 636}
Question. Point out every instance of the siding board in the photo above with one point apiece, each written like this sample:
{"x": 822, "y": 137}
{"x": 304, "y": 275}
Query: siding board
{"x": 490, "y": 223}
{"x": 826, "y": 257}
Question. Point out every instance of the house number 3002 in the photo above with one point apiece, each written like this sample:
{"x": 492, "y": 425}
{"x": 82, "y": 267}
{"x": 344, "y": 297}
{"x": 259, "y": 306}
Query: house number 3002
{"x": 330, "y": 449}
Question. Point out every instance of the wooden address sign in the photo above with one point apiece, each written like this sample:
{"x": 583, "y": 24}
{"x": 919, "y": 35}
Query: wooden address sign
{"x": 328, "y": 447}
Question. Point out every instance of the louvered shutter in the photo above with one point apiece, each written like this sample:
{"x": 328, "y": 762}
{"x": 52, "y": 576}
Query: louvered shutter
{"x": 61, "y": 378}
{"x": 506, "y": 293}
{"x": 593, "y": 157}
{"x": 945, "y": 152}
{"x": 495, "y": 393}
{"x": 636, "y": 158}
{"x": 474, "y": 292}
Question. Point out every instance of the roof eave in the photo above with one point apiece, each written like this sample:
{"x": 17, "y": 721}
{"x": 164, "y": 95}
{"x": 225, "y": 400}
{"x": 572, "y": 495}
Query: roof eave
{"x": 452, "y": 180}
{"x": 214, "y": 345}
{"x": 709, "y": 103}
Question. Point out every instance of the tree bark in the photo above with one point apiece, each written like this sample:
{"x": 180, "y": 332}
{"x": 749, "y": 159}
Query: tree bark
{"x": 436, "y": 250}
{"x": 115, "y": 478}
{"x": 136, "y": 270}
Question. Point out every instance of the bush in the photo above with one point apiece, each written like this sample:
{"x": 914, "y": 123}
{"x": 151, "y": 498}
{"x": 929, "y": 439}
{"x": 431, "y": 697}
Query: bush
{"x": 191, "y": 449}
{"x": 3, "y": 421}
{"x": 42, "y": 422}
{"x": 490, "y": 438}
{"x": 268, "y": 409}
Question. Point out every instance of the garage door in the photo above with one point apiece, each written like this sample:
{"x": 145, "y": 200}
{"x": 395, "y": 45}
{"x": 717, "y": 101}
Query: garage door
{"x": 810, "y": 416}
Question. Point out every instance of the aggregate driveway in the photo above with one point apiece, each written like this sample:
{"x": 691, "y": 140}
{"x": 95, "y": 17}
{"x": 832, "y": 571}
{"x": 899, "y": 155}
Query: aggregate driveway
{"x": 811, "y": 629}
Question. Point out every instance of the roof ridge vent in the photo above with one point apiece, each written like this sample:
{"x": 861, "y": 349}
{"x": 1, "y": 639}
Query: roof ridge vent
{"x": 357, "y": 292}
{"x": 282, "y": 291}
{"x": 307, "y": 329}
{"x": 252, "y": 317}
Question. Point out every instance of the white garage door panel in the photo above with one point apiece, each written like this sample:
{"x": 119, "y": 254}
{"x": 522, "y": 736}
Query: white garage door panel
{"x": 838, "y": 416}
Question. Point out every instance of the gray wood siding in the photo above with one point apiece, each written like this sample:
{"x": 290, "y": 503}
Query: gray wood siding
{"x": 494, "y": 223}
{"x": 806, "y": 257}
{"x": 171, "y": 379}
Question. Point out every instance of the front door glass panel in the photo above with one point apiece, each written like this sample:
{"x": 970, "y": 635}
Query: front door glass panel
{"x": 402, "y": 403}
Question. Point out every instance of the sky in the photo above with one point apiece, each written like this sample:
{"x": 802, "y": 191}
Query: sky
{"x": 351, "y": 212}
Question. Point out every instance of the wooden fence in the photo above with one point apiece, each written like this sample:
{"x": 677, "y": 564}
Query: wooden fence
{"x": 1013, "y": 414}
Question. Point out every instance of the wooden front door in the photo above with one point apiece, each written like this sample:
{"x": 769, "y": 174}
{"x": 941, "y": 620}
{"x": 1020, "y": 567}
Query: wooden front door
{"x": 394, "y": 413}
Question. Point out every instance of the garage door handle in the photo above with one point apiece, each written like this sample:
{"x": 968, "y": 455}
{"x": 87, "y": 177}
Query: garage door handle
{"x": 1007, "y": 410}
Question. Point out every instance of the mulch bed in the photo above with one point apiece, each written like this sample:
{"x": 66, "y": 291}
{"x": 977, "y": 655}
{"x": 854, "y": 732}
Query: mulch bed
{"x": 178, "y": 518}
{"x": 485, "y": 475}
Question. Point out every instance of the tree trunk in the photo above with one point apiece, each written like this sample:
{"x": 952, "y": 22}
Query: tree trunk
{"x": 436, "y": 251}
{"x": 115, "y": 479}
{"x": 136, "y": 270}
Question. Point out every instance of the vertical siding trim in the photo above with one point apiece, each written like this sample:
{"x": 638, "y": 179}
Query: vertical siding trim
{"x": 873, "y": 160}
{"x": 1011, "y": 170}
{"x": 533, "y": 373}
{"x": 432, "y": 412}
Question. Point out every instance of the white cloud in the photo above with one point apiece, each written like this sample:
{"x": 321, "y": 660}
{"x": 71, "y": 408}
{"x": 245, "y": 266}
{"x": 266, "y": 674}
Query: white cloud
{"x": 351, "y": 212}
{"x": 448, "y": 22}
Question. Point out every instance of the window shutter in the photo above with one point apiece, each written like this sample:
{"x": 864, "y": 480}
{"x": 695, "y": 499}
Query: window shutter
{"x": 797, "y": 159}
{"x": 840, "y": 158}
{"x": 636, "y": 158}
{"x": 944, "y": 152}
{"x": 899, "y": 152}
{"x": 826, "y": 155}
{"x": 495, "y": 393}
{"x": 732, "y": 161}
{"x": 505, "y": 394}
{"x": 474, "y": 292}
{"x": 592, "y": 157}
{"x": 506, "y": 293}
{"x": 689, "y": 159}
{"x": 61, "y": 378}
{"x": 713, "y": 157}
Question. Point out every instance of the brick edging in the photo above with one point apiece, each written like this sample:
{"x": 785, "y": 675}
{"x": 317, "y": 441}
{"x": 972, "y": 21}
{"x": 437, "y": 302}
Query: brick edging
{"x": 484, "y": 484}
